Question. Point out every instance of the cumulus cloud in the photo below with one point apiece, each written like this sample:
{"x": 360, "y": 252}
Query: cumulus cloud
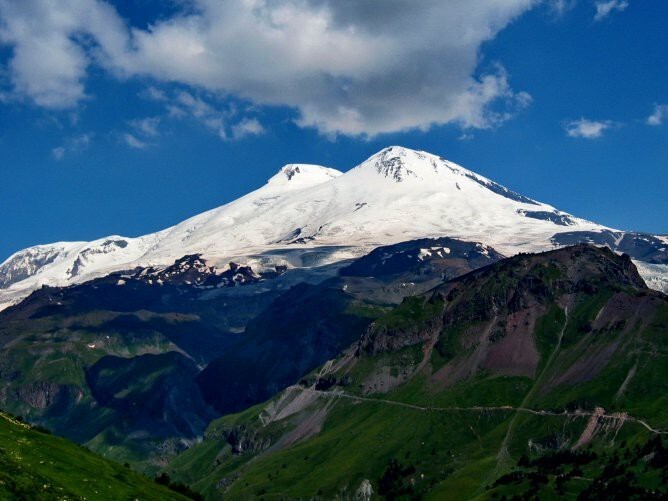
{"x": 345, "y": 67}
{"x": 72, "y": 145}
{"x": 474, "y": 110}
{"x": 659, "y": 115}
{"x": 54, "y": 43}
{"x": 588, "y": 129}
{"x": 604, "y": 9}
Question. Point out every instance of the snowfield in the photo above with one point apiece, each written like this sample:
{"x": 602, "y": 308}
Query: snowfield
{"x": 308, "y": 215}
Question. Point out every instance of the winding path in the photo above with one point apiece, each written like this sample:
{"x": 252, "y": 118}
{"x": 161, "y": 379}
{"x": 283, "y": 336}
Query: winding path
{"x": 616, "y": 416}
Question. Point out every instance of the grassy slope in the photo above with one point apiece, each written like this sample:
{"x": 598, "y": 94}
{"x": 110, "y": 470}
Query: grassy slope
{"x": 34, "y": 465}
{"x": 454, "y": 454}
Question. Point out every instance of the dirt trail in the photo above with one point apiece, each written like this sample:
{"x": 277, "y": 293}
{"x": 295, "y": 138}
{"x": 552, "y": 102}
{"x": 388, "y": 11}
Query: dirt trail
{"x": 499, "y": 408}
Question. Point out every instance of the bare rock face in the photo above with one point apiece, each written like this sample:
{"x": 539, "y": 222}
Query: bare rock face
{"x": 381, "y": 338}
{"x": 194, "y": 270}
{"x": 243, "y": 439}
{"x": 25, "y": 264}
{"x": 43, "y": 394}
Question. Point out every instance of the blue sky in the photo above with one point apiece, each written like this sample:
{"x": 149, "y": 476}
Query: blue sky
{"x": 127, "y": 117}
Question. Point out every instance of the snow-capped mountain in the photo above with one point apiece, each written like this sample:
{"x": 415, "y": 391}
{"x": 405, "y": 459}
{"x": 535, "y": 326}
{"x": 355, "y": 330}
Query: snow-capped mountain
{"x": 308, "y": 215}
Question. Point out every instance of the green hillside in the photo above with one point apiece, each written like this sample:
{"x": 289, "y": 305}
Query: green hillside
{"x": 38, "y": 466}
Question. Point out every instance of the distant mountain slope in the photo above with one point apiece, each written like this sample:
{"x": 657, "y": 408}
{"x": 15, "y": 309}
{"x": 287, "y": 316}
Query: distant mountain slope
{"x": 35, "y": 465}
{"x": 136, "y": 364}
{"x": 555, "y": 359}
{"x": 308, "y": 215}
{"x": 112, "y": 362}
{"x": 309, "y": 324}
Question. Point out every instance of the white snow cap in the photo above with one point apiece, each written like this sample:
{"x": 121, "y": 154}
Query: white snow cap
{"x": 303, "y": 175}
{"x": 310, "y": 215}
{"x": 402, "y": 164}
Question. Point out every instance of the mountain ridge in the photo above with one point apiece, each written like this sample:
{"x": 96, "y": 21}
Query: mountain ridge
{"x": 306, "y": 210}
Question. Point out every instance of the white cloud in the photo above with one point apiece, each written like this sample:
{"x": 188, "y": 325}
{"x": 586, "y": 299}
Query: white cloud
{"x": 146, "y": 126}
{"x": 659, "y": 115}
{"x": 223, "y": 119}
{"x": 142, "y": 130}
{"x": 195, "y": 105}
{"x": 247, "y": 127}
{"x": 58, "y": 152}
{"x": 346, "y": 67}
{"x": 604, "y": 9}
{"x": 588, "y": 129}
{"x": 474, "y": 108}
{"x": 560, "y": 7}
{"x": 185, "y": 104}
{"x": 134, "y": 142}
{"x": 154, "y": 94}
{"x": 52, "y": 46}
{"x": 72, "y": 145}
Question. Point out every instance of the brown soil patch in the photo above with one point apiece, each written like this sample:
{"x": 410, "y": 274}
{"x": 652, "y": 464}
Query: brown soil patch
{"x": 516, "y": 354}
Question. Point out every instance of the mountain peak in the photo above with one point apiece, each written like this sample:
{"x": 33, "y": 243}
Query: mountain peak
{"x": 303, "y": 175}
{"x": 398, "y": 164}
{"x": 397, "y": 194}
